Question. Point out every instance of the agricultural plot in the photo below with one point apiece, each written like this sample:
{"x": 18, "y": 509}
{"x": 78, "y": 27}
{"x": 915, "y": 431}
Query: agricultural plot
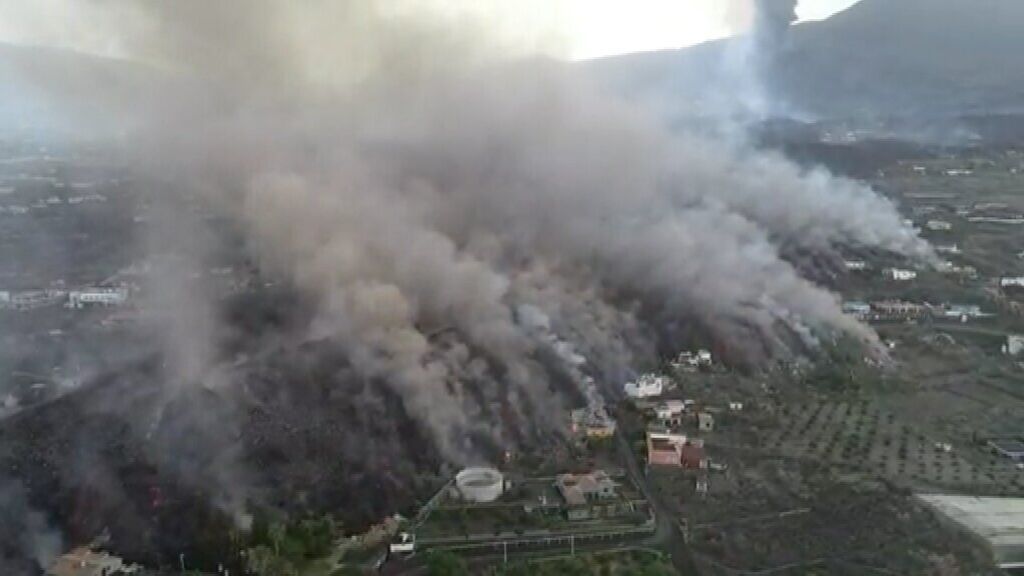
{"x": 862, "y": 436}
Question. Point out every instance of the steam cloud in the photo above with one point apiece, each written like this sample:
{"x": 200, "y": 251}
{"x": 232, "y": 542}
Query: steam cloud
{"x": 417, "y": 177}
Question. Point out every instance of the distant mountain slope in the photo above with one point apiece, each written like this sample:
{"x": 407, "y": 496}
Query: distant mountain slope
{"x": 880, "y": 57}
{"x": 60, "y": 89}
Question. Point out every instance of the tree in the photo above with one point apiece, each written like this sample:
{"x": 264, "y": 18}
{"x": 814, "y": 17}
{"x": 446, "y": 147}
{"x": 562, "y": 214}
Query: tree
{"x": 263, "y": 561}
{"x": 276, "y": 532}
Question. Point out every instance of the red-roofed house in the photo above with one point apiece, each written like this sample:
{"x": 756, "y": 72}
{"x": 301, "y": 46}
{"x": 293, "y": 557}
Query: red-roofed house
{"x": 693, "y": 457}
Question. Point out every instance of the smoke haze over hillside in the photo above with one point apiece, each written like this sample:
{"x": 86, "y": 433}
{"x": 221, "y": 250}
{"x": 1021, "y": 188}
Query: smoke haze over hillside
{"x": 415, "y": 171}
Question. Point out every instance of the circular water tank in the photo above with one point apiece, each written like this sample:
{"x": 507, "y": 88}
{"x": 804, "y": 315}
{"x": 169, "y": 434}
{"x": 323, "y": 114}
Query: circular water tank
{"x": 479, "y": 484}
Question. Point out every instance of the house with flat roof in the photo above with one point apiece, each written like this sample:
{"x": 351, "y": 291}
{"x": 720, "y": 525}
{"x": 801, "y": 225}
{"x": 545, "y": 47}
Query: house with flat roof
{"x": 587, "y": 496}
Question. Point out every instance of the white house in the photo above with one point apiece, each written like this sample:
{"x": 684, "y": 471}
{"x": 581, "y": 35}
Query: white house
{"x": 962, "y": 311}
{"x": 405, "y": 543}
{"x": 855, "y": 265}
{"x": 646, "y": 386}
{"x": 1014, "y": 344}
{"x": 692, "y": 360}
{"x": 1012, "y": 282}
{"x": 939, "y": 225}
{"x": 97, "y": 296}
{"x": 670, "y": 410}
{"x": 900, "y": 274}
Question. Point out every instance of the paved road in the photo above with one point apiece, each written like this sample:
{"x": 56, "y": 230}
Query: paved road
{"x": 666, "y": 536}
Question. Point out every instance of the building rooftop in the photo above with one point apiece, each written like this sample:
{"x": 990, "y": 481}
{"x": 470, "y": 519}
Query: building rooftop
{"x": 998, "y": 521}
{"x": 576, "y": 488}
{"x": 662, "y": 444}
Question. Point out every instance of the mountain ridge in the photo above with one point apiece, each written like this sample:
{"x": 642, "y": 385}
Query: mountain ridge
{"x": 878, "y": 57}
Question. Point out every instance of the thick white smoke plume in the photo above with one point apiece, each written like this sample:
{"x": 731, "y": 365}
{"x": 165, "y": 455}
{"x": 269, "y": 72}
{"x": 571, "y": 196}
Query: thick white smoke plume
{"x": 392, "y": 160}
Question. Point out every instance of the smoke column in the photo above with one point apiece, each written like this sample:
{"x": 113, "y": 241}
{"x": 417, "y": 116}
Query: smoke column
{"x": 413, "y": 175}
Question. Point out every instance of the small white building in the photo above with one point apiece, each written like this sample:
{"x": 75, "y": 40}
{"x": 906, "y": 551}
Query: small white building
{"x": 404, "y": 543}
{"x": 900, "y": 274}
{"x": 687, "y": 360}
{"x": 670, "y": 411}
{"x": 1014, "y": 344}
{"x": 962, "y": 312}
{"x": 646, "y": 386}
{"x": 938, "y": 225}
{"x": 1011, "y": 282}
{"x": 705, "y": 422}
{"x": 855, "y": 265}
{"x": 97, "y": 296}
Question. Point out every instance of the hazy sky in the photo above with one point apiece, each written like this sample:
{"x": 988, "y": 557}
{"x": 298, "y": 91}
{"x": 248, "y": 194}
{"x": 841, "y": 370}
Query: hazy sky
{"x": 587, "y": 28}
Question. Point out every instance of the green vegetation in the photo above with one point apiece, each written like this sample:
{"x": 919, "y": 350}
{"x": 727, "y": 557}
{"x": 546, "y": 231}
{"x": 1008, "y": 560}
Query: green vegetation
{"x": 841, "y": 369}
{"x": 442, "y": 563}
{"x": 285, "y": 548}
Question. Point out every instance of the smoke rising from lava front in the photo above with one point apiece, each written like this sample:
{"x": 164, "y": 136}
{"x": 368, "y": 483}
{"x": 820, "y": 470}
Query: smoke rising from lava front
{"x": 413, "y": 174}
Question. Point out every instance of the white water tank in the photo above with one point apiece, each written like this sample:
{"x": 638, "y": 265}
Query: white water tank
{"x": 480, "y": 484}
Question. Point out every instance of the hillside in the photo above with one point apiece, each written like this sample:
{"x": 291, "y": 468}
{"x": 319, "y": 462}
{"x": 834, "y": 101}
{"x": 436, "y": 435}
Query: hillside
{"x": 878, "y": 58}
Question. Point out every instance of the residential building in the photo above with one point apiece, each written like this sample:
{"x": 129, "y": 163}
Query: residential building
{"x": 1014, "y": 344}
{"x": 590, "y": 495}
{"x": 593, "y": 422}
{"x": 962, "y": 312}
{"x": 97, "y": 296}
{"x": 31, "y": 299}
{"x": 646, "y": 386}
{"x": 897, "y": 309}
{"x": 404, "y": 543}
{"x": 692, "y": 457}
{"x": 701, "y": 485}
{"x": 948, "y": 267}
{"x": 900, "y": 274}
{"x": 687, "y": 360}
{"x": 855, "y": 265}
{"x": 705, "y": 422}
{"x": 664, "y": 448}
{"x": 670, "y": 412}
{"x": 579, "y": 489}
{"x": 938, "y": 225}
{"x": 1012, "y": 282}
